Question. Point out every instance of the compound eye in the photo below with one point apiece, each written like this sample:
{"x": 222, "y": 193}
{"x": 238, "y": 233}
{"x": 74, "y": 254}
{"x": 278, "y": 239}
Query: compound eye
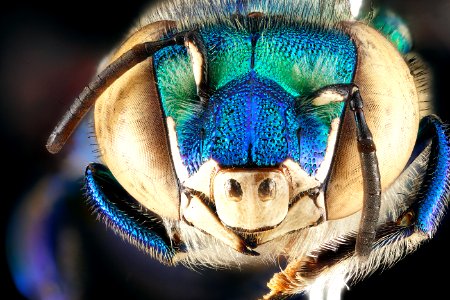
{"x": 381, "y": 75}
{"x": 131, "y": 134}
{"x": 267, "y": 189}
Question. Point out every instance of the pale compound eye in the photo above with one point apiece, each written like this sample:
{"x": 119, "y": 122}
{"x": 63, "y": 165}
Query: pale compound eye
{"x": 267, "y": 190}
{"x": 233, "y": 190}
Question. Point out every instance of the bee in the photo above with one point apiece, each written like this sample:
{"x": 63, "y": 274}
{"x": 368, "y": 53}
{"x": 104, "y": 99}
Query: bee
{"x": 239, "y": 133}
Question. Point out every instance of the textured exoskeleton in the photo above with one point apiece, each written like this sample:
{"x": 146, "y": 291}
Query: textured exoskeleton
{"x": 236, "y": 133}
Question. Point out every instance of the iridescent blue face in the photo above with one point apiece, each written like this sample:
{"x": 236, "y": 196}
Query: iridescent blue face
{"x": 234, "y": 133}
{"x": 259, "y": 111}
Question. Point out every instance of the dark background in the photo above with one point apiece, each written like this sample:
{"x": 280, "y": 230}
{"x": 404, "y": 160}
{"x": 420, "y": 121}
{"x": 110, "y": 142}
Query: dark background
{"x": 48, "y": 52}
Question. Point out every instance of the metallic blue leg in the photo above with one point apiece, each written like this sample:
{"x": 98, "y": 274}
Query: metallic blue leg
{"x": 422, "y": 217}
{"x": 436, "y": 188}
{"x": 125, "y": 215}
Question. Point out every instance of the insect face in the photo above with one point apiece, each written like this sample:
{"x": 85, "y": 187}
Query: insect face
{"x": 250, "y": 130}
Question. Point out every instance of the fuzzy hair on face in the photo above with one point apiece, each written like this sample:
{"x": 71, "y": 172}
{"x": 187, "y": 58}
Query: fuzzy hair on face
{"x": 321, "y": 259}
{"x": 190, "y": 14}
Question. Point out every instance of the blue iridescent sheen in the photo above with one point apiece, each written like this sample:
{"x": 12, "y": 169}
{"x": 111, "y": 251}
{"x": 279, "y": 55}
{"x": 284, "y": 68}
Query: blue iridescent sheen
{"x": 229, "y": 53}
{"x": 432, "y": 207}
{"x": 117, "y": 218}
{"x": 303, "y": 59}
{"x": 394, "y": 28}
{"x": 258, "y": 80}
{"x": 32, "y": 240}
{"x": 237, "y": 125}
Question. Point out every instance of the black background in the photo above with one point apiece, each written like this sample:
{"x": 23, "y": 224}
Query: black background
{"x": 48, "y": 52}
